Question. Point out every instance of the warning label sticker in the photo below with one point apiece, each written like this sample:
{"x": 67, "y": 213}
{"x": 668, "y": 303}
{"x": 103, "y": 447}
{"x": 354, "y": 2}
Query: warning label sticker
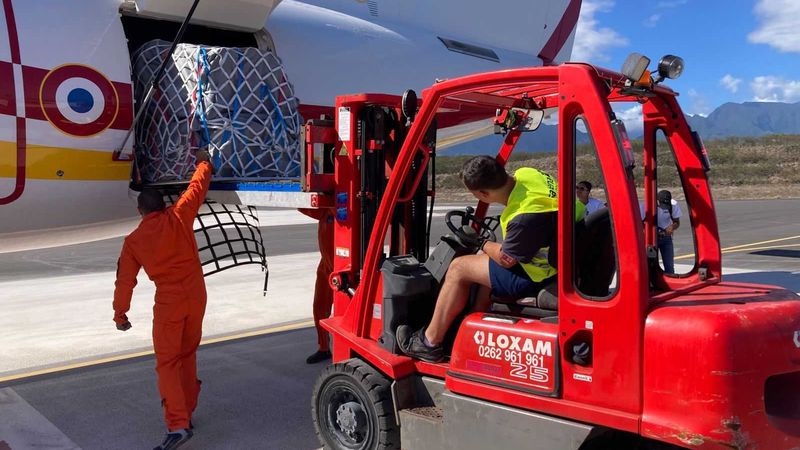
{"x": 344, "y": 123}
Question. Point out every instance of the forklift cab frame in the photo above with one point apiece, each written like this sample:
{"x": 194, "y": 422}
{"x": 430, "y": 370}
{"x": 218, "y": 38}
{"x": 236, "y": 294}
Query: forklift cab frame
{"x": 609, "y": 390}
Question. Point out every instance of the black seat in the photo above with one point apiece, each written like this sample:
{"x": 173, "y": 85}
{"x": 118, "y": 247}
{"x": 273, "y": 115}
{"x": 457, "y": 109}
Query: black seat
{"x": 595, "y": 265}
{"x": 595, "y": 261}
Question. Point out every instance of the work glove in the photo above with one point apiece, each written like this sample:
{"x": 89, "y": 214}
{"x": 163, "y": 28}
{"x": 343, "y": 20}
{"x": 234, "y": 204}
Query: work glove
{"x": 203, "y": 155}
{"x": 125, "y": 326}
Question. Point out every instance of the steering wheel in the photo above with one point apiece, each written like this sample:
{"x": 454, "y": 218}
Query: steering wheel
{"x": 465, "y": 228}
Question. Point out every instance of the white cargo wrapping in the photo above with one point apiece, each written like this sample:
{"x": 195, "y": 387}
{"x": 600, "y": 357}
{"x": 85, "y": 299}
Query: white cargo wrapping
{"x": 237, "y": 100}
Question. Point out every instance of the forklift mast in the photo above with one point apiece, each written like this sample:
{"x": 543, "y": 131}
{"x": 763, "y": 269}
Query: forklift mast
{"x": 371, "y": 130}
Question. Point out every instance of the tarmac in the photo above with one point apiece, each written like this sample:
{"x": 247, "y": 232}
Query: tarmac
{"x": 68, "y": 379}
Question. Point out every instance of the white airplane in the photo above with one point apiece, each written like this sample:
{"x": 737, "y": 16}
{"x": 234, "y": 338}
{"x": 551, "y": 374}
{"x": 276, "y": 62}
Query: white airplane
{"x": 66, "y": 89}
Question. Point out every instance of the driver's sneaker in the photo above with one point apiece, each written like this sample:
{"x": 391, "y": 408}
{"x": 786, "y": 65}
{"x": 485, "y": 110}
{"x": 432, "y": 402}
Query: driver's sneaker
{"x": 412, "y": 343}
{"x": 175, "y": 439}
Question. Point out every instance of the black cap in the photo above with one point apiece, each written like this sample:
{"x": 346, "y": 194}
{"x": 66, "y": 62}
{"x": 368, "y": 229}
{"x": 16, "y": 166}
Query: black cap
{"x": 664, "y": 197}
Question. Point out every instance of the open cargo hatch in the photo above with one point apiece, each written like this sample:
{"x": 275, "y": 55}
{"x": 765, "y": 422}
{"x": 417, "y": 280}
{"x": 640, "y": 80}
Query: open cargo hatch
{"x": 241, "y": 15}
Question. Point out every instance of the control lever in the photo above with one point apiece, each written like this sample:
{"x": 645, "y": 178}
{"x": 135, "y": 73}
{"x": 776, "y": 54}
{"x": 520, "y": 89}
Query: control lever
{"x": 465, "y": 219}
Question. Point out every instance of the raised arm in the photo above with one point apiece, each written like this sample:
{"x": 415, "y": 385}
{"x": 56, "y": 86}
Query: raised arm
{"x": 127, "y": 269}
{"x": 190, "y": 201}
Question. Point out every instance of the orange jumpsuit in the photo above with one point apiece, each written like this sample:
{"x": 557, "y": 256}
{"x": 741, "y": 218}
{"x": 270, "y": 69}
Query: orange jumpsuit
{"x": 165, "y": 246}
{"x": 323, "y": 294}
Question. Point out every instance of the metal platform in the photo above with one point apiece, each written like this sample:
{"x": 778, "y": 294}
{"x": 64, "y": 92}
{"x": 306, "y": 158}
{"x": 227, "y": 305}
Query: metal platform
{"x": 280, "y": 194}
{"x": 275, "y": 194}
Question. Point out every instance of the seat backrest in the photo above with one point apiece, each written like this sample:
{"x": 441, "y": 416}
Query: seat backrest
{"x": 595, "y": 261}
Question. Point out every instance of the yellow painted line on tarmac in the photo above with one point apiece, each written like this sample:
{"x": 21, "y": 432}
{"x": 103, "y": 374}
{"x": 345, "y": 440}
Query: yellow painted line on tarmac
{"x": 94, "y": 362}
{"x": 761, "y": 243}
{"x": 768, "y": 247}
{"x": 270, "y": 330}
{"x": 748, "y": 247}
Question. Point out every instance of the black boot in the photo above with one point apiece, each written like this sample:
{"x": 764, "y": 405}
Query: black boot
{"x": 412, "y": 343}
{"x": 175, "y": 439}
{"x": 319, "y": 356}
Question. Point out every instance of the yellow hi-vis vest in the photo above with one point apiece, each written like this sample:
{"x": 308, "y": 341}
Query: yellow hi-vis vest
{"x": 534, "y": 192}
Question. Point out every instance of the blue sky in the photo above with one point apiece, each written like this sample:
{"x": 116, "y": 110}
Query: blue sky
{"x": 735, "y": 51}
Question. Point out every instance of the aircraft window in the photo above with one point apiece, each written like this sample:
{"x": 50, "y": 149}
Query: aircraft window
{"x": 469, "y": 49}
{"x": 595, "y": 252}
{"x": 674, "y": 229}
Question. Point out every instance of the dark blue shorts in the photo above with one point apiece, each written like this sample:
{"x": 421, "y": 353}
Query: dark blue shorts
{"x": 513, "y": 282}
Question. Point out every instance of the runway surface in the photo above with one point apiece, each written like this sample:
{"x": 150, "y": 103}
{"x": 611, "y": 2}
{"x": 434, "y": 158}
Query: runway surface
{"x": 256, "y": 394}
{"x": 56, "y": 305}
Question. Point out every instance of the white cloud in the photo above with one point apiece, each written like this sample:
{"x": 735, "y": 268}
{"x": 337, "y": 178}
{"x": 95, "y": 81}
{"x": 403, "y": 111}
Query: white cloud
{"x": 591, "y": 40}
{"x": 775, "y": 89}
{"x": 730, "y": 83}
{"x": 632, "y": 117}
{"x": 779, "y": 25}
{"x": 651, "y": 21}
{"x": 698, "y": 104}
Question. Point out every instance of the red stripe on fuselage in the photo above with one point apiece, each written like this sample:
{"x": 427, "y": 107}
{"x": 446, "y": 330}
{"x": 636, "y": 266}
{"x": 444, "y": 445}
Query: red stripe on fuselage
{"x": 125, "y": 115}
{"x": 8, "y": 97}
{"x": 11, "y": 25}
{"x": 561, "y": 33}
{"x": 32, "y": 81}
{"x": 13, "y": 43}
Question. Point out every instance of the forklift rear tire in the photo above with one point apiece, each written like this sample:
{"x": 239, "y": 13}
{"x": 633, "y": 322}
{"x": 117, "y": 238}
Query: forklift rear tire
{"x": 352, "y": 408}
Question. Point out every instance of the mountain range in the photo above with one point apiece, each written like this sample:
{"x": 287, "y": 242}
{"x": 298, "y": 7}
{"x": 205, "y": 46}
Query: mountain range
{"x": 750, "y": 119}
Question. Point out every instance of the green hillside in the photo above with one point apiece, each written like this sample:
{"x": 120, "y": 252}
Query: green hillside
{"x": 762, "y": 167}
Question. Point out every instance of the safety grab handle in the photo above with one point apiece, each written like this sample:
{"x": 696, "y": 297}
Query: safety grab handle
{"x": 426, "y": 156}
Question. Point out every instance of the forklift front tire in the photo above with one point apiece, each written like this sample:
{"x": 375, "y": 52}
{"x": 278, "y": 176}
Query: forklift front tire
{"x": 352, "y": 408}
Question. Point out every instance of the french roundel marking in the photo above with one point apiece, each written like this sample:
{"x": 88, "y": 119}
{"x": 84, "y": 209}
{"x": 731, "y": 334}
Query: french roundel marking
{"x": 78, "y": 100}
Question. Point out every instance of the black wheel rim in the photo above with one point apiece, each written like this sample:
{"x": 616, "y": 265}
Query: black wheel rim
{"x": 344, "y": 413}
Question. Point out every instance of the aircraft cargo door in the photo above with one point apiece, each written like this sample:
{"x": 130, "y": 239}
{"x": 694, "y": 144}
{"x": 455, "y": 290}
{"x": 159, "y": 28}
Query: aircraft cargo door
{"x": 240, "y": 15}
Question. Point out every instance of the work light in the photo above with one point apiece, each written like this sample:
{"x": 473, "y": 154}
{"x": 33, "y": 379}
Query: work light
{"x": 670, "y": 66}
{"x": 635, "y": 66}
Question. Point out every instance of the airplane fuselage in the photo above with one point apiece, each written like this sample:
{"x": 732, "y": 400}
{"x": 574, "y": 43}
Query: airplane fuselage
{"x": 66, "y": 95}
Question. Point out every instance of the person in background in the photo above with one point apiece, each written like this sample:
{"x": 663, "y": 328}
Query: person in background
{"x": 164, "y": 245}
{"x": 323, "y": 294}
{"x": 668, "y": 219}
{"x": 583, "y": 191}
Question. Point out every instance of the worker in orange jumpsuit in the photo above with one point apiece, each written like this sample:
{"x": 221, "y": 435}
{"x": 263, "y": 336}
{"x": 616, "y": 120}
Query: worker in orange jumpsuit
{"x": 323, "y": 294}
{"x": 164, "y": 245}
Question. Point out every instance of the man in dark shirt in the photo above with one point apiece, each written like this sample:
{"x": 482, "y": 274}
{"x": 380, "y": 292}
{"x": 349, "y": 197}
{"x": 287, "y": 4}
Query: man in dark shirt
{"x": 517, "y": 267}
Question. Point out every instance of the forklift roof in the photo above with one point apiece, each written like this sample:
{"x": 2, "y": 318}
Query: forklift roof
{"x": 478, "y": 96}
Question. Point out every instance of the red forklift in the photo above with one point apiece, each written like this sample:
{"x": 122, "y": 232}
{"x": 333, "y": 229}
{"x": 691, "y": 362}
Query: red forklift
{"x": 618, "y": 355}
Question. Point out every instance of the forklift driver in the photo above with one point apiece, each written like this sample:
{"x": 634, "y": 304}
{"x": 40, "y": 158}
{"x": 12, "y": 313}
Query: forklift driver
{"x": 516, "y": 268}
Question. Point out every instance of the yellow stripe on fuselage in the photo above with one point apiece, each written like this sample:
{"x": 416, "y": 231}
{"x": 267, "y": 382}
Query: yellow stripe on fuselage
{"x": 45, "y": 163}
